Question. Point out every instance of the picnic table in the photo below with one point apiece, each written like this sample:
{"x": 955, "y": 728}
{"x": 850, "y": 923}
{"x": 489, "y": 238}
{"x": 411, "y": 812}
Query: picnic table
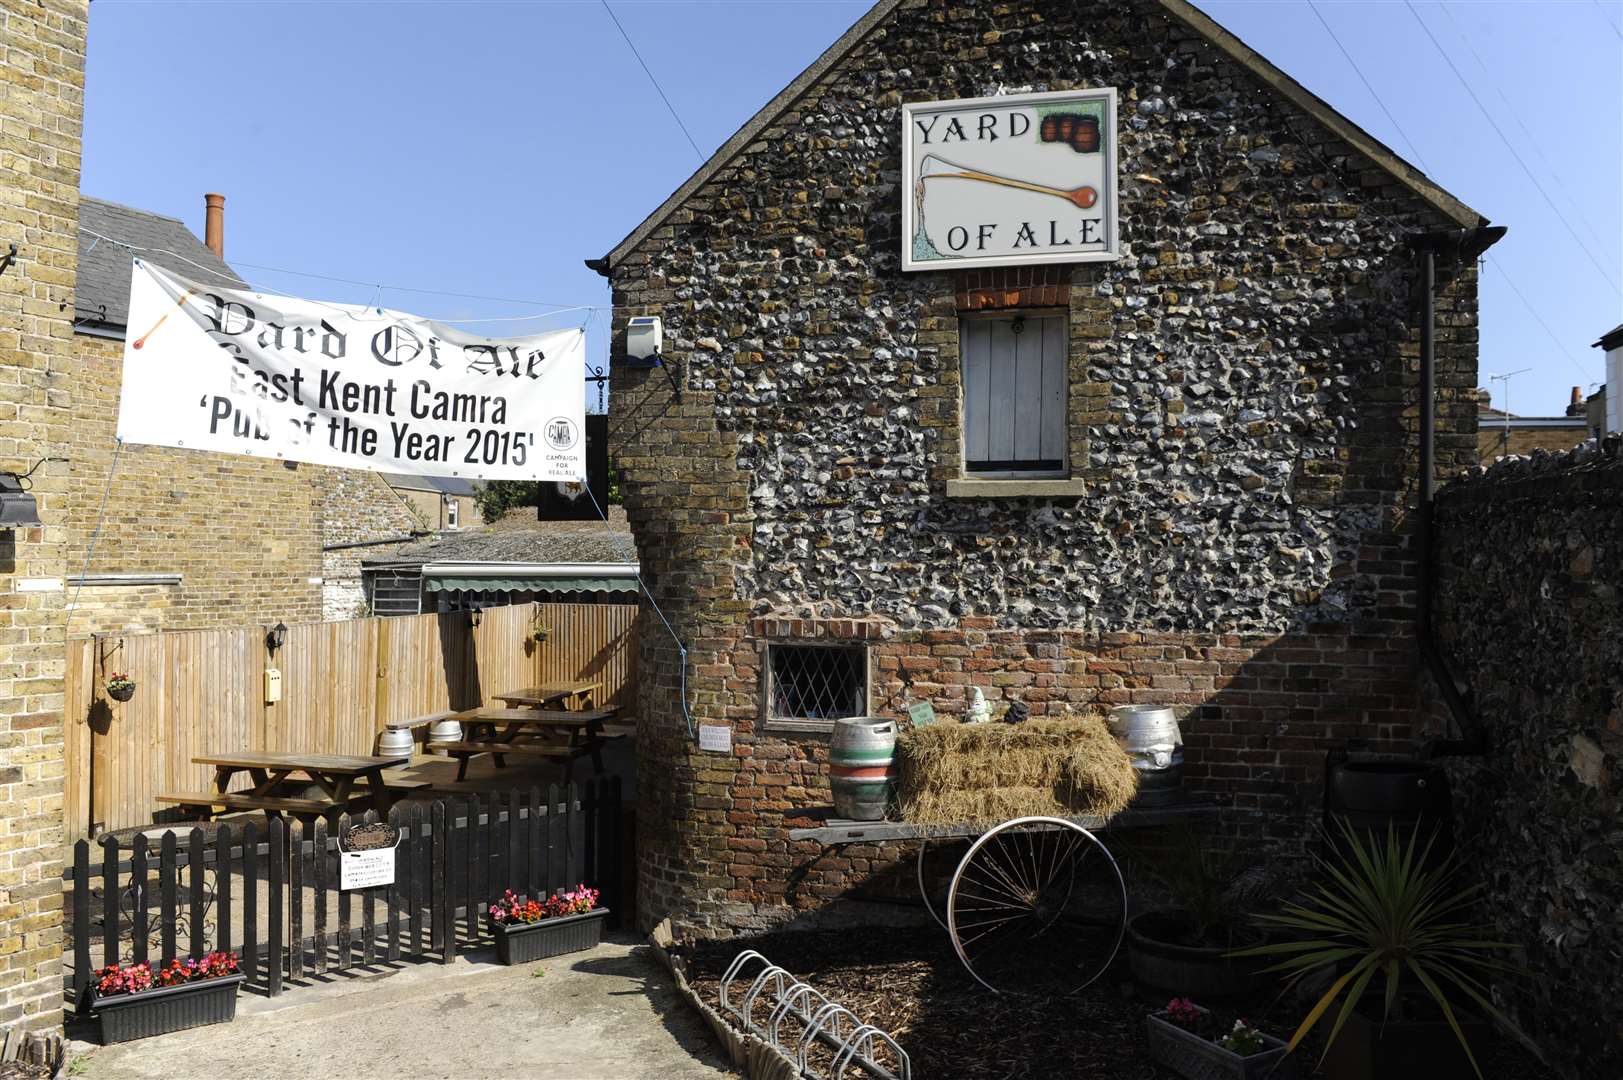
{"x": 335, "y": 776}
{"x": 566, "y": 695}
{"x": 543, "y": 732}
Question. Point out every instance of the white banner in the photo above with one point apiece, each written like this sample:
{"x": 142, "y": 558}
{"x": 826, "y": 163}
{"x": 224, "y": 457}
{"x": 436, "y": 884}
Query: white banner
{"x": 237, "y": 372}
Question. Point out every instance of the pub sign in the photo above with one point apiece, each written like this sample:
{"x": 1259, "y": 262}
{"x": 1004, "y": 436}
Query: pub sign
{"x": 1010, "y": 181}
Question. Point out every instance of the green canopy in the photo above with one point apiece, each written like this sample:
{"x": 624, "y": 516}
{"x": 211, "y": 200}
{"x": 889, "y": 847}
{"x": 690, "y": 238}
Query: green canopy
{"x": 440, "y": 583}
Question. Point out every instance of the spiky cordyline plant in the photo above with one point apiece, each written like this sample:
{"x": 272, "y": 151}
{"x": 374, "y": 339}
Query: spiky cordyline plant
{"x": 1383, "y": 910}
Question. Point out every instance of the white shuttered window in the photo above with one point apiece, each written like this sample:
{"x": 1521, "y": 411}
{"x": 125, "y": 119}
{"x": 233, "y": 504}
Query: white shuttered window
{"x": 1014, "y": 376}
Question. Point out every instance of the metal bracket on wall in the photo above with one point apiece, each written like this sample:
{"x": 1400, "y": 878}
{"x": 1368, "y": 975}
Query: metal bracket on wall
{"x": 8, "y": 258}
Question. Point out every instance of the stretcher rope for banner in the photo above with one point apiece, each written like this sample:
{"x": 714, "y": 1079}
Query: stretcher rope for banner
{"x": 681, "y": 649}
{"x": 90, "y": 548}
{"x": 237, "y": 282}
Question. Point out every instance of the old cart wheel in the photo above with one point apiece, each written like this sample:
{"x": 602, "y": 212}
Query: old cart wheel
{"x": 935, "y": 867}
{"x": 1037, "y": 906}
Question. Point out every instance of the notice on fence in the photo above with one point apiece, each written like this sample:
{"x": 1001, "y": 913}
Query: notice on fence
{"x": 240, "y": 372}
{"x": 366, "y": 856}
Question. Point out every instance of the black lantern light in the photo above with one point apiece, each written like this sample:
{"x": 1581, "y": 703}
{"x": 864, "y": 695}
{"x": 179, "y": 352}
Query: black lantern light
{"x": 17, "y": 509}
{"x": 276, "y": 636}
{"x": 475, "y": 612}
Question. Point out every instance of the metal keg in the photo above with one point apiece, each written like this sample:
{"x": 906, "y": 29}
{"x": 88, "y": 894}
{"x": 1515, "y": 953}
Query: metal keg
{"x": 445, "y": 731}
{"x": 861, "y": 756}
{"x": 395, "y": 742}
{"x": 1149, "y": 734}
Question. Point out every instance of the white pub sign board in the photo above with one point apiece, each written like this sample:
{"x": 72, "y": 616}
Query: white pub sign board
{"x": 1010, "y": 181}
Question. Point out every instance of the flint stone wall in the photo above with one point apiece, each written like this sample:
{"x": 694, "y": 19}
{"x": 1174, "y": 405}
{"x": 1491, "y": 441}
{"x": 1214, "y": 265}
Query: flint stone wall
{"x": 1242, "y": 389}
{"x": 1530, "y": 564}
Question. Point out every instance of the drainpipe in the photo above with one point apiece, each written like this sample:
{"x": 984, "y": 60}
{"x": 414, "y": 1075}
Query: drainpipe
{"x": 1462, "y": 244}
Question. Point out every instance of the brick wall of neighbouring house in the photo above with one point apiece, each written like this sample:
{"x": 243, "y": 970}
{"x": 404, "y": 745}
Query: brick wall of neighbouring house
{"x": 42, "y": 113}
{"x": 243, "y": 533}
{"x": 1530, "y": 566}
{"x": 357, "y": 507}
{"x": 1241, "y": 410}
{"x": 1491, "y": 440}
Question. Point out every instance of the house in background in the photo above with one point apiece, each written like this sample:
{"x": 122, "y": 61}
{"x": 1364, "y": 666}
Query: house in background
{"x": 190, "y": 539}
{"x": 1500, "y": 433}
{"x": 1606, "y": 410}
{"x": 440, "y": 502}
{"x": 515, "y": 560}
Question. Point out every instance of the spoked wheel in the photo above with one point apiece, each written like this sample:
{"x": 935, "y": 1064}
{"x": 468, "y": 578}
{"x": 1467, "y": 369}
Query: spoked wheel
{"x": 1036, "y": 906}
{"x": 935, "y": 869}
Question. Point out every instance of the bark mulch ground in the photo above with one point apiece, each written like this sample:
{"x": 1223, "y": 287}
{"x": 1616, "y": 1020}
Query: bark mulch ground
{"x": 910, "y": 983}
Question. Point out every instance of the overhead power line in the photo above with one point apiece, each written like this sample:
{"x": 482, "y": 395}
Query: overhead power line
{"x": 1602, "y": 9}
{"x": 658, "y": 89}
{"x": 1532, "y": 140}
{"x": 1509, "y": 146}
{"x": 1360, "y": 73}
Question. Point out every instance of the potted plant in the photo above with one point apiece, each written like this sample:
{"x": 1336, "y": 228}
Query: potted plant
{"x": 120, "y": 687}
{"x": 1384, "y": 909}
{"x": 538, "y": 629}
{"x": 529, "y": 930}
{"x": 132, "y": 1001}
{"x": 1185, "y": 1038}
{"x": 1185, "y": 948}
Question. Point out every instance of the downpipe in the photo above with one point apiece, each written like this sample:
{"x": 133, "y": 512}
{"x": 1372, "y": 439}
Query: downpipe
{"x": 1463, "y": 244}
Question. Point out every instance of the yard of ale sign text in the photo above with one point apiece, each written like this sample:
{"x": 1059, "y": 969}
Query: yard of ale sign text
{"x": 1010, "y": 181}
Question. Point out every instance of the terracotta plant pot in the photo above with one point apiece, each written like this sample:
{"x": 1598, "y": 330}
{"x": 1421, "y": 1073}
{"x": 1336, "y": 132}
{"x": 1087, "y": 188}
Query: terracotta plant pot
{"x": 163, "y": 1009}
{"x": 1368, "y": 1048}
{"x": 521, "y": 943}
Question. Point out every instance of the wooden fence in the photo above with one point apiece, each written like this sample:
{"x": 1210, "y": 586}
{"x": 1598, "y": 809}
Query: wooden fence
{"x": 203, "y": 691}
{"x": 271, "y": 892}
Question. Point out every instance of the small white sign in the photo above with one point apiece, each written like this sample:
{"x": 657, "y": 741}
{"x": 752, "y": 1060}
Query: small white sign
{"x": 712, "y": 737}
{"x": 39, "y": 584}
{"x": 365, "y": 869}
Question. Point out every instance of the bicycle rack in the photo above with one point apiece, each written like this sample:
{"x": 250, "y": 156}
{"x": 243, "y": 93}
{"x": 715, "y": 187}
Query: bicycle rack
{"x": 852, "y": 1041}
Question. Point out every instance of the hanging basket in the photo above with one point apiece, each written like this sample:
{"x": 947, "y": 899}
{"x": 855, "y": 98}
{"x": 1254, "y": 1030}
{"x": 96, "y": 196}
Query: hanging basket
{"x": 122, "y": 692}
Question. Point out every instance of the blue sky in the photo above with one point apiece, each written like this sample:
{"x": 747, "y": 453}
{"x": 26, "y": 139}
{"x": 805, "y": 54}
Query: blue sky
{"x": 488, "y": 148}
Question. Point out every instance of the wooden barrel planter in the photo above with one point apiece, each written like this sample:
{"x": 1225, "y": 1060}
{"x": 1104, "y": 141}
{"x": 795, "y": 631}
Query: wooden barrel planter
{"x": 861, "y": 767}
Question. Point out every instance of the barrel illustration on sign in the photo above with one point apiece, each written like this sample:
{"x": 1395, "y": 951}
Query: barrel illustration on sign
{"x": 1010, "y": 180}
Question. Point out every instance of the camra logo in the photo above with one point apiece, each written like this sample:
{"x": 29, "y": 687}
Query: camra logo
{"x": 560, "y": 433}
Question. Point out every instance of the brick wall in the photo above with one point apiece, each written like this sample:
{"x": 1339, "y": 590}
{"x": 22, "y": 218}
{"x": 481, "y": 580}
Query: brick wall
{"x": 243, "y": 533}
{"x": 1242, "y": 437}
{"x": 358, "y": 508}
{"x": 42, "y": 112}
{"x": 1530, "y": 556}
{"x": 1491, "y": 440}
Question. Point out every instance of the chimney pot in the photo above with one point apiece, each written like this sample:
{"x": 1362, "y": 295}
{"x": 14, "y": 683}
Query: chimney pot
{"x": 214, "y": 223}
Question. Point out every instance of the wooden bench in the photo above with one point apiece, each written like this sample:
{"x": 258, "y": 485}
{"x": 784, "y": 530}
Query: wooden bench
{"x": 207, "y": 801}
{"x": 464, "y": 752}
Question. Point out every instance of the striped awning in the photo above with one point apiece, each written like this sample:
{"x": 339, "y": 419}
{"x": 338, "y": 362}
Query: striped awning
{"x": 453, "y": 583}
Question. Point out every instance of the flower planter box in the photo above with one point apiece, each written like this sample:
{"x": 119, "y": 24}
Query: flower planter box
{"x": 166, "y": 1008}
{"x": 1189, "y": 1055}
{"x": 520, "y": 943}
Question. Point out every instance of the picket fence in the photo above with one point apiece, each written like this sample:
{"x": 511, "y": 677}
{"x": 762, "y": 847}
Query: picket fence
{"x": 203, "y": 691}
{"x": 271, "y": 891}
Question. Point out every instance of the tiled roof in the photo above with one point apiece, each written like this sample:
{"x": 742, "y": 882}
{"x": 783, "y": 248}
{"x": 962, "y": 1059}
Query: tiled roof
{"x": 541, "y": 542}
{"x": 445, "y": 485}
{"x": 104, "y": 267}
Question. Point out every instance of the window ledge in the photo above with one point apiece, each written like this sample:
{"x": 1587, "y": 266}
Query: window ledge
{"x": 1015, "y": 489}
{"x": 800, "y": 727}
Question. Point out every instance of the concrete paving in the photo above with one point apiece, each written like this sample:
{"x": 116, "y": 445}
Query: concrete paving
{"x": 608, "y": 1014}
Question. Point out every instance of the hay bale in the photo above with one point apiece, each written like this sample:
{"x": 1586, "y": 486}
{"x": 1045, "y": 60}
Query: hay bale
{"x": 982, "y": 774}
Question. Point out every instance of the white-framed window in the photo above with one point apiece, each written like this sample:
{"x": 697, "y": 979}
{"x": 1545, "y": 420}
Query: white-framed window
{"x": 452, "y": 512}
{"x": 1015, "y": 375}
{"x": 808, "y": 687}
